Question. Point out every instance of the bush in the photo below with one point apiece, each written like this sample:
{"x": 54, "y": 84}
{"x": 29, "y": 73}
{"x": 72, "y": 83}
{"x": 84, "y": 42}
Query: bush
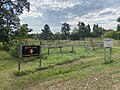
{"x": 5, "y": 55}
{"x": 5, "y": 47}
{"x": 14, "y": 51}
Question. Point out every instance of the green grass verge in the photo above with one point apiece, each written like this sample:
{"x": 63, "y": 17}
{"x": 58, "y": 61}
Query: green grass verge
{"x": 56, "y": 67}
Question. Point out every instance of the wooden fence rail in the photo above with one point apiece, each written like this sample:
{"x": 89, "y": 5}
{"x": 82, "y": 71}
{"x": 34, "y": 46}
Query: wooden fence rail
{"x": 60, "y": 47}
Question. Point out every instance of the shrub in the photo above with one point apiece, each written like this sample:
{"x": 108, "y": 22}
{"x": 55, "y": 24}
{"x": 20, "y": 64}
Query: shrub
{"x": 14, "y": 51}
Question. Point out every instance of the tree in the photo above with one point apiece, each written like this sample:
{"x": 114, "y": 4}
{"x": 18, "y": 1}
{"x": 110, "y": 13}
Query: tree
{"x": 57, "y": 36}
{"x": 46, "y": 33}
{"x": 75, "y": 34}
{"x": 118, "y": 35}
{"x": 87, "y": 31}
{"x": 81, "y": 28}
{"x": 22, "y": 32}
{"x": 97, "y": 31}
{"x": 111, "y": 34}
{"x": 100, "y": 32}
{"x": 65, "y": 31}
{"x": 118, "y": 26}
{"x": 9, "y": 20}
{"x": 118, "y": 19}
{"x": 4, "y": 37}
{"x": 82, "y": 31}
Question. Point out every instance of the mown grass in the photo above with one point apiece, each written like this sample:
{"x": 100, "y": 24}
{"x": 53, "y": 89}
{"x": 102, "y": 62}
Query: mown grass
{"x": 81, "y": 70}
{"x": 58, "y": 68}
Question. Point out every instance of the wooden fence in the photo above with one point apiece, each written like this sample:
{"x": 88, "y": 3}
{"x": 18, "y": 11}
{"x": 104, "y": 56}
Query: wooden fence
{"x": 86, "y": 45}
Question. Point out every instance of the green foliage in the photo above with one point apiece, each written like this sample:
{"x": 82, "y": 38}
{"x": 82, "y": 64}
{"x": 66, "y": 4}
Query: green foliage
{"x": 5, "y": 47}
{"x": 82, "y": 32}
{"x": 118, "y": 34}
{"x": 46, "y": 33}
{"x": 4, "y": 34}
{"x": 81, "y": 28}
{"x": 75, "y": 34}
{"x": 111, "y": 34}
{"x": 118, "y": 19}
{"x": 9, "y": 20}
{"x": 87, "y": 31}
{"x": 5, "y": 56}
{"x": 97, "y": 31}
{"x": 65, "y": 30}
{"x": 57, "y": 36}
{"x": 118, "y": 27}
{"x": 14, "y": 51}
{"x": 22, "y": 33}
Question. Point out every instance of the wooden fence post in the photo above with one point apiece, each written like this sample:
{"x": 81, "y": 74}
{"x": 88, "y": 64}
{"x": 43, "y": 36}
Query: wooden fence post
{"x": 60, "y": 49}
{"x": 72, "y": 49}
{"x": 49, "y": 49}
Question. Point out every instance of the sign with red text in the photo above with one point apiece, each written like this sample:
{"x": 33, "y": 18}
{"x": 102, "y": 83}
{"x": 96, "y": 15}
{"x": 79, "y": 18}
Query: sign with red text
{"x": 28, "y": 51}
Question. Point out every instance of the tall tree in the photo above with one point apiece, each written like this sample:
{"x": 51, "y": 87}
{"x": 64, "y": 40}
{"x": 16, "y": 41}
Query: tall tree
{"x": 87, "y": 31}
{"x": 75, "y": 34}
{"x": 118, "y": 19}
{"x": 9, "y": 20}
{"x": 97, "y": 31}
{"x": 81, "y": 28}
{"x": 65, "y": 31}
{"x": 100, "y": 32}
{"x": 22, "y": 32}
{"x": 118, "y": 26}
{"x": 46, "y": 33}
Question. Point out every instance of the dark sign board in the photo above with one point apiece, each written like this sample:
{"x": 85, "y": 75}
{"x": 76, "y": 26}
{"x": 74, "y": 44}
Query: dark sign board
{"x": 28, "y": 51}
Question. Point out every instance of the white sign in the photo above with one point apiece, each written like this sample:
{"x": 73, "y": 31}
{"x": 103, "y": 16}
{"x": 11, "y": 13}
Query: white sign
{"x": 108, "y": 43}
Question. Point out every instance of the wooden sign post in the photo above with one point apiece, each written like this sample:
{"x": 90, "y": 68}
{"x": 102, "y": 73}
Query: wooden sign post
{"x": 108, "y": 44}
{"x": 40, "y": 55}
{"x": 19, "y": 57}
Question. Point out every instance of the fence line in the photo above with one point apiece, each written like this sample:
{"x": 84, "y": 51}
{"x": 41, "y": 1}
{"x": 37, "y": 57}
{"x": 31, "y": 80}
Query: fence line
{"x": 86, "y": 45}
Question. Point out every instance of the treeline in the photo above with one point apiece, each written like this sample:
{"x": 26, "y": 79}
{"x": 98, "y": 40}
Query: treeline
{"x": 82, "y": 31}
{"x": 114, "y": 33}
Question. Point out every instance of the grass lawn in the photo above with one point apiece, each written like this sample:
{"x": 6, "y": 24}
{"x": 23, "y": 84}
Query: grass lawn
{"x": 67, "y": 71}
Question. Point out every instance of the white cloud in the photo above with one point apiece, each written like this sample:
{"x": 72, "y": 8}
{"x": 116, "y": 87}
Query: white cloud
{"x": 105, "y": 18}
{"x": 55, "y": 12}
{"x": 31, "y": 14}
{"x": 55, "y": 4}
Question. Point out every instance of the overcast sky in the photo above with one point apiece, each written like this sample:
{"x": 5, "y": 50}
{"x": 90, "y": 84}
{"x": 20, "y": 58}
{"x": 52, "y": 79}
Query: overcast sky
{"x": 55, "y": 12}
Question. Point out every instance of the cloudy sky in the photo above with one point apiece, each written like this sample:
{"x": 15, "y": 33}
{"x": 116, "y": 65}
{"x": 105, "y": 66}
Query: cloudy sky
{"x": 55, "y": 12}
